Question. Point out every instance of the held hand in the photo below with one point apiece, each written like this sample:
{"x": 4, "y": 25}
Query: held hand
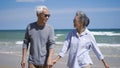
{"x": 56, "y": 59}
{"x": 49, "y": 63}
{"x": 54, "y": 62}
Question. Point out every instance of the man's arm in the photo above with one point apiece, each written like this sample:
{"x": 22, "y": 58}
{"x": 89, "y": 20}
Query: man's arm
{"x": 24, "y": 48}
{"x": 49, "y": 60}
{"x": 24, "y": 52}
{"x": 51, "y": 43}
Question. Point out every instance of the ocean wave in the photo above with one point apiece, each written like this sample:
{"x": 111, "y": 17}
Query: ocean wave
{"x": 99, "y": 44}
{"x": 17, "y": 50}
{"x": 106, "y": 33}
{"x": 57, "y": 43}
{"x": 58, "y": 35}
{"x": 19, "y": 42}
{"x": 107, "y": 44}
{"x": 10, "y": 43}
{"x": 12, "y": 53}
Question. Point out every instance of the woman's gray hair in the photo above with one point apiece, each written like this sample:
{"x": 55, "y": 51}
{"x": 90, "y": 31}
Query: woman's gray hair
{"x": 83, "y": 18}
{"x": 39, "y": 9}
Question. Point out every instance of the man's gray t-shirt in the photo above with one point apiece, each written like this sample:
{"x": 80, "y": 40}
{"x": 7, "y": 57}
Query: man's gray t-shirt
{"x": 40, "y": 39}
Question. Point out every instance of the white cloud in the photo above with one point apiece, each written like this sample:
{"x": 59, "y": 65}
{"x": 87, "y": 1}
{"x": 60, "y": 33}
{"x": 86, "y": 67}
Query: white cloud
{"x": 25, "y": 13}
{"x": 101, "y": 9}
{"x": 30, "y": 0}
{"x": 16, "y": 14}
{"x": 63, "y": 11}
{"x": 73, "y": 10}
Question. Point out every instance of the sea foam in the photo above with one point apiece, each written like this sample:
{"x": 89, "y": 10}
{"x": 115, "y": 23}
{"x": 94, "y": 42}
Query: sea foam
{"x": 106, "y": 33}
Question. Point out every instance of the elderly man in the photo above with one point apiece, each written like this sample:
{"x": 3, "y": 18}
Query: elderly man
{"x": 39, "y": 37}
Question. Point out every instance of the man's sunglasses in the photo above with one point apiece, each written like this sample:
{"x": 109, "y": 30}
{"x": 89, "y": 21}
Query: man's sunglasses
{"x": 46, "y": 15}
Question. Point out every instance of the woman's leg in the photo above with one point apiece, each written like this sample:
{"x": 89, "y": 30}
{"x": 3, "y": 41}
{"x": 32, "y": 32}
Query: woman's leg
{"x": 87, "y": 66}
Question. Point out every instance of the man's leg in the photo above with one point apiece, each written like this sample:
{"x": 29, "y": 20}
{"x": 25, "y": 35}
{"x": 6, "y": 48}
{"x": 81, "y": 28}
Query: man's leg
{"x": 31, "y": 65}
{"x": 45, "y": 66}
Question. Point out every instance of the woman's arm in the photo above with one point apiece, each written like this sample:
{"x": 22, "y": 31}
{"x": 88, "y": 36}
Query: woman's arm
{"x": 98, "y": 52}
{"x": 105, "y": 64}
{"x": 64, "y": 49}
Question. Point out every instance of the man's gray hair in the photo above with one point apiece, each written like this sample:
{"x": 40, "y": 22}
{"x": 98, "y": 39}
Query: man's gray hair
{"x": 39, "y": 9}
{"x": 83, "y": 18}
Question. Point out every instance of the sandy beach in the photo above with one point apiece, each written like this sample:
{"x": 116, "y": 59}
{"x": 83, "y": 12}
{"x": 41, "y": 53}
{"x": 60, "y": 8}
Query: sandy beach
{"x": 112, "y": 56}
{"x": 9, "y": 61}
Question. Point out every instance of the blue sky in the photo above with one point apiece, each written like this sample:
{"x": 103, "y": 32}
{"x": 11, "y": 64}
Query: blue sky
{"x": 17, "y": 14}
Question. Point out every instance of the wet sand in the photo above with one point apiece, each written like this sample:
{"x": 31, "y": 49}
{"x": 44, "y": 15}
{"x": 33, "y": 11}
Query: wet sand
{"x": 112, "y": 56}
{"x": 9, "y": 61}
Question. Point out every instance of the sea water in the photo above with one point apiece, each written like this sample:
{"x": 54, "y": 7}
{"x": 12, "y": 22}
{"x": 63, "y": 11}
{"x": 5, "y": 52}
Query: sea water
{"x": 11, "y": 40}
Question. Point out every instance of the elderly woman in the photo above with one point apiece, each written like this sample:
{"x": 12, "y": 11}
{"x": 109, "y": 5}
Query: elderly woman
{"x": 78, "y": 42}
